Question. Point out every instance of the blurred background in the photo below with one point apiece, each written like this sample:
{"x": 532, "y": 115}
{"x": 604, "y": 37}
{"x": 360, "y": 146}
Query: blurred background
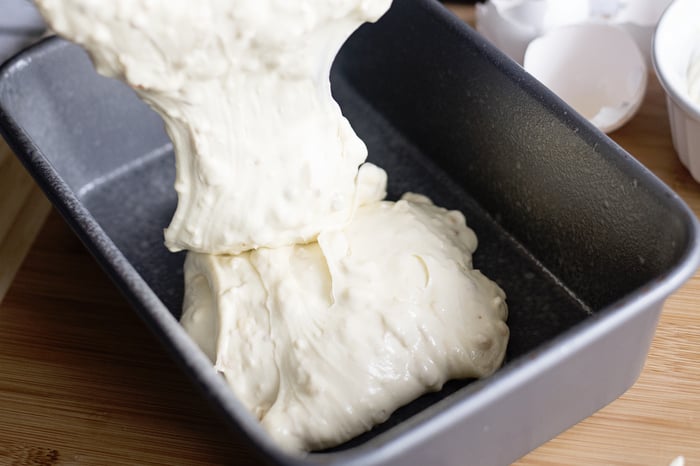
{"x": 20, "y": 25}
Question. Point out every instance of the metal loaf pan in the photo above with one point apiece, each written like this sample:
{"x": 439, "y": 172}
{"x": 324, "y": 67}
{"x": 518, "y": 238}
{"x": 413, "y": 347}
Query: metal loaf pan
{"x": 586, "y": 243}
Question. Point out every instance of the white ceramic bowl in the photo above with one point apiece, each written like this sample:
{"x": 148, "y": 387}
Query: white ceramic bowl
{"x": 676, "y": 44}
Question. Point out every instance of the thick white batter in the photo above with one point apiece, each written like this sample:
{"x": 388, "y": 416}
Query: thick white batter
{"x": 264, "y": 156}
{"x": 323, "y": 341}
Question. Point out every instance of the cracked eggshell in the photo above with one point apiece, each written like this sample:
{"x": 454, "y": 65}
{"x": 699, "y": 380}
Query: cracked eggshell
{"x": 643, "y": 37}
{"x": 510, "y": 37}
{"x": 641, "y": 12}
{"x": 637, "y": 17}
{"x": 596, "y": 68}
{"x": 512, "y": 24}
{"x": 605, "y": 9}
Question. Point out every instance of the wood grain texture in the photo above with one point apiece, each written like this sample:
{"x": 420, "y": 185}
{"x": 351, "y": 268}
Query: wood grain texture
{"x": 23, "y": 209}
{"x": 81, "y": 379}
{"x": 83, "y": 382}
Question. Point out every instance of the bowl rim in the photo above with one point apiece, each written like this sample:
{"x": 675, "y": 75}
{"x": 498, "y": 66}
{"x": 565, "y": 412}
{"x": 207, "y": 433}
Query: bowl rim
{"x": 680, "y": 98}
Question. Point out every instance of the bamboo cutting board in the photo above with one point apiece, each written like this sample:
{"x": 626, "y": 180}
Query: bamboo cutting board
{"x": 23, "y": 209}
{"x": 82, "y": 382}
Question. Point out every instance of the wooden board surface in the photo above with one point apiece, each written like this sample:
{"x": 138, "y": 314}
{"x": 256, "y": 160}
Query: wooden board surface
{"x": 23, "y": 209}
{"x": 83, "y": 382}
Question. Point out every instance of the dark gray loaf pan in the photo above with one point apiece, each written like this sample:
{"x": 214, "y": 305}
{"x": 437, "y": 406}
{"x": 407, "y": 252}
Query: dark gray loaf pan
{"x": 586, "y": 243}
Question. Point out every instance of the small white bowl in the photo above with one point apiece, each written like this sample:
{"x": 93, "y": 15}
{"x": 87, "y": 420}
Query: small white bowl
{"x": 676, "y": 45}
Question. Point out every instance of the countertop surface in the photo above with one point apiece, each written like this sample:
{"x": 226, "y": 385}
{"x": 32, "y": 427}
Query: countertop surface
{"x": 82, "y": 381}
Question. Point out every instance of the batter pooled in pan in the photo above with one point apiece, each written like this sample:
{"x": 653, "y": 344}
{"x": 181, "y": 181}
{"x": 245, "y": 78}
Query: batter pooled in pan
{"x": 322, "y": 341}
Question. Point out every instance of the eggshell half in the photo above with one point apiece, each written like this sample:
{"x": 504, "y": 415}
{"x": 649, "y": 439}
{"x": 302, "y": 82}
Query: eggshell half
{"x": 641, "y": 12}
{"x": 596, "y": 68}
{"x": 639, "y": 19}
{"x": 512, "y": 24}
{"x": 510, "y": 37}
{"x": 643, "y": 37}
